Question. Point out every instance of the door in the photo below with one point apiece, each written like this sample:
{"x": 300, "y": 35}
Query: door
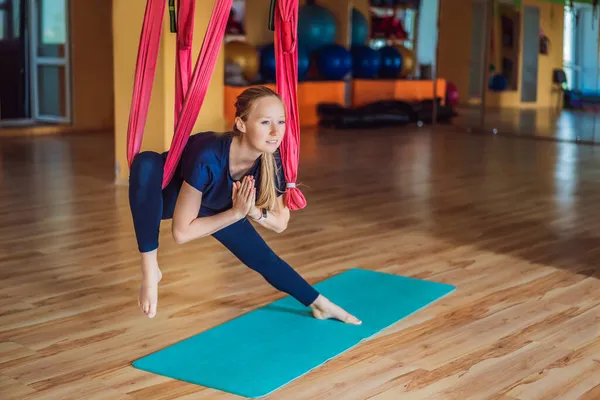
{"x": 477, "y": 49}
{"x": 50, "y": 69}
{"x": 14, "y": 68}
{"x": 586, "y": 49}
{"x": 531, "y": 47}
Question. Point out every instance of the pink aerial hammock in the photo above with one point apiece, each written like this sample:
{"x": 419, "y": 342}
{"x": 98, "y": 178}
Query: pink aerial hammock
{"x": 191, "y": 88}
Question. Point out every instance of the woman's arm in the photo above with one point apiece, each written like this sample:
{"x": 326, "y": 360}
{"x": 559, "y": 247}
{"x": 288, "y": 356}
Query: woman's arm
{"x": 186, "y": 224}
{"x": 276, "y": 221}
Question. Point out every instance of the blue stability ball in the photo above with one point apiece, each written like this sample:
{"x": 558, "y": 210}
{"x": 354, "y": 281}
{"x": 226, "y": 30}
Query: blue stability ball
{"x": 360, "y": 28}
{"x": 391, "y": 62}
{"x": 268, "y": 67}
{"x": 498, "y": 83}
{"x": 303, "y": 63}
{"x": 267, "y": 63}
{"x": 366, "y": 62}
{"x": 316, "y": 27}
{"x": 334, "y": 62}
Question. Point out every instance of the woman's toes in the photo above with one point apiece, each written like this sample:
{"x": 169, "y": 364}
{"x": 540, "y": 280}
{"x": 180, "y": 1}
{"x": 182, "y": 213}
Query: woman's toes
{"x": 152, "y": 312}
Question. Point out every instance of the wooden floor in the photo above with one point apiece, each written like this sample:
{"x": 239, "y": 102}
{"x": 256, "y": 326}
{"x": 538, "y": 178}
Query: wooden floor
{"x": 513, "y": 223}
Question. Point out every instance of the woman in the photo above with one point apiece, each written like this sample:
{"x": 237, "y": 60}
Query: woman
{"x": 221, "y": 181}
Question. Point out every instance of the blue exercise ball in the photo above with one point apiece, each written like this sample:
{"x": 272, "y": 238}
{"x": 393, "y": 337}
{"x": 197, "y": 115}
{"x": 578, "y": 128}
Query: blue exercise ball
{"x": 334, "y": 62}
{"x": 498, "y": 83}
{"x": 391, "y": 62}
{"x": 359, "y": 27}
{"x": 366, "y": 62}
{"x": 303, "y": 63}
{"x": 267, "y": 63}
{"x": 268, "y": 67}
{"x": 316, "y": 27}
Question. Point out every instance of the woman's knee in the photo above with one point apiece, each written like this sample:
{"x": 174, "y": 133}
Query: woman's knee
{"x": 145, "y": 167}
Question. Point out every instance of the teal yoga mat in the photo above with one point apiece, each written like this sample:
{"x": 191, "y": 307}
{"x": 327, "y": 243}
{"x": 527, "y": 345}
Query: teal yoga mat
{"x": 263, "y": 350}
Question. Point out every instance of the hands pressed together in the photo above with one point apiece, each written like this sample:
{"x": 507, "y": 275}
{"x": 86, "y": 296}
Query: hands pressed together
{"x": 244, "y": 198}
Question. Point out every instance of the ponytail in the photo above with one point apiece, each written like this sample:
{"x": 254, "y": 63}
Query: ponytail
{"x": 268, "y": 179}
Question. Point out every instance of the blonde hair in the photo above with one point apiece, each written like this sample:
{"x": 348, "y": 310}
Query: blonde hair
{"x": 268, "y": 169}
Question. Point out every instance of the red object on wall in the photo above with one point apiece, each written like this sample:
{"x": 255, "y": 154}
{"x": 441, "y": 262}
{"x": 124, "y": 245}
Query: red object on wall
{"x": 388, "y": 28}
{"x": 451, "y": 93}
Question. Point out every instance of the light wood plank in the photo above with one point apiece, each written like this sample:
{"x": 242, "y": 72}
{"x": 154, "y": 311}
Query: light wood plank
{"x": 569, "y": 378}
{"x": 483, "y": 379}
{"x": 591, "y": 394}
{"x": 82, "y": 389}
{"x": 11, "y": 389}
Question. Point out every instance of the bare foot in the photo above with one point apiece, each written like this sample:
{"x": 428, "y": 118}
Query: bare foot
{"x": 322, "y": 308}
{"x": 148, "y": 295}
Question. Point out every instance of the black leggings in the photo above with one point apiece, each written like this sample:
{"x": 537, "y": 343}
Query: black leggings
{"x": 150, "y": 204}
